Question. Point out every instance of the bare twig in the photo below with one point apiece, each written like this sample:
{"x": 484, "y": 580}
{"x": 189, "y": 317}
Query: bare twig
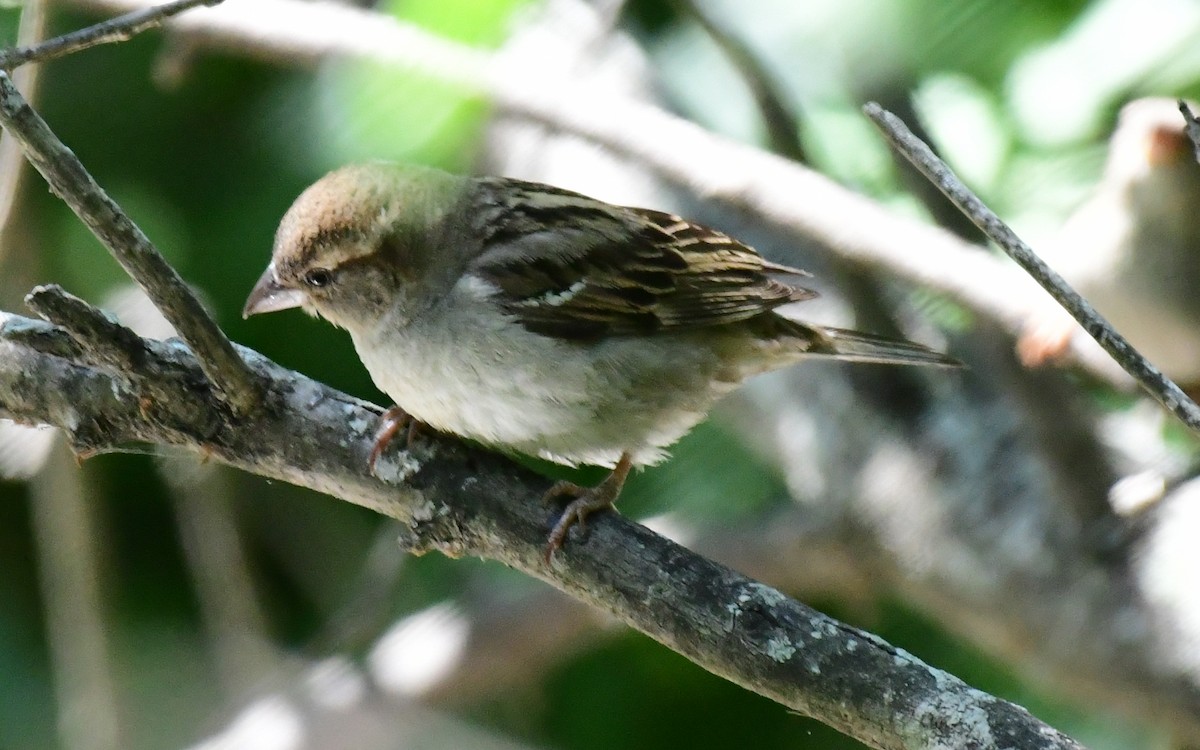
{"x": 467, "y": 501}
{"x": 1159, "y": 386}
{"x": 95, "y": 338}
{"x": 119, "y": 29}
{"x": 129, "y": 245}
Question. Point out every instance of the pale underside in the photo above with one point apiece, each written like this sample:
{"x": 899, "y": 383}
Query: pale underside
{"x": 571, "y": 402}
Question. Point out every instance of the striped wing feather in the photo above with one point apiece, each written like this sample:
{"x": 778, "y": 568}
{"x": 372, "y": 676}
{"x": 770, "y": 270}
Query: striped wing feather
{"x": 569, "y": 266}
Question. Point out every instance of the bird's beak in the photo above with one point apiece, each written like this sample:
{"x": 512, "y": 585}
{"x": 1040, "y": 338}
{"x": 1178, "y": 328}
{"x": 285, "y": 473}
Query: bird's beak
{"x": 268, "y": 295}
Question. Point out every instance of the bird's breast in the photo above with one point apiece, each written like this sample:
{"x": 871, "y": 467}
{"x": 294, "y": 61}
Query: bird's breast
{"x": 475, "y": 372}
{"x": 482, "y": 378}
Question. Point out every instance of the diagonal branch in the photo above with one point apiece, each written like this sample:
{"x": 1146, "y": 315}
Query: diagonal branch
{"x": 1158, "y": 385}
{"x": 465, "y": 501}
{"x": 129, "y": 245}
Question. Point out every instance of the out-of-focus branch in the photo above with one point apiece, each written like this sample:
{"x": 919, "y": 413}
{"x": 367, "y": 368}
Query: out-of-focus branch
{"x": 793, "y": 199}
{"x": 778, "y": 116}
{"x": 132, "y": 249}
{"x": 12, "y": 165}
{"x": 69, "y": 547}
{"x": 464, "y": 501}
{"x": 1158, "y": 385}
{"x": 233, "y": 619}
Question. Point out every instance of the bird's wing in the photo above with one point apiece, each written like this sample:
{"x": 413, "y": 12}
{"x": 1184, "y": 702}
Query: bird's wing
{"x": 570, "y": 266}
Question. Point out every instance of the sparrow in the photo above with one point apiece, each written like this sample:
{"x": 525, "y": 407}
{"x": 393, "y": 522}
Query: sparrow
{"x": 1132, "y": 248}
{"x": 541, "y": 321}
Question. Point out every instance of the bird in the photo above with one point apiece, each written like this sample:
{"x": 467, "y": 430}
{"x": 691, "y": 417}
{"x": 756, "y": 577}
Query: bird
{"x": 1132, "y": 249}
{"x": 540, "y": 321}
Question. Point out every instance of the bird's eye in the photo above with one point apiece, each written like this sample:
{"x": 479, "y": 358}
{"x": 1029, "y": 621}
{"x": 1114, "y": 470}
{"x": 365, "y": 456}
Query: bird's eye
{"x": 318, "y": 277}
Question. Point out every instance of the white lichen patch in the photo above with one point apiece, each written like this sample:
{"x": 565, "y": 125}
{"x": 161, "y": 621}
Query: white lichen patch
{"x": 424, "y": 511}
{"x": 395, "y": 467}
{"x": 767, "y": 595}
{"x": 360, "y": 423}
{"x": 957, "y": 714}
{"x": 753, "y": 596}
{"x": 780, "y": 649}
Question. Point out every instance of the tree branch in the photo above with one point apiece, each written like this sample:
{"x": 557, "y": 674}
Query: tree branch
{"x": 120, "y": 29}
{"x": 130, "y": 246}
{"x": 1158, "y": 385}
{"x": 465, "y": 501}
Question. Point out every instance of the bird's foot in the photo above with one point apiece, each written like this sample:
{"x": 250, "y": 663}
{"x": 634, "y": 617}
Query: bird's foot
{"x": 391, "y": 423}
{"x": 586, "y": 501}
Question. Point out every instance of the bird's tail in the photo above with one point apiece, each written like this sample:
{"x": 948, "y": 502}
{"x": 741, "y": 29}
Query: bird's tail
{"x": 855, "y": 346}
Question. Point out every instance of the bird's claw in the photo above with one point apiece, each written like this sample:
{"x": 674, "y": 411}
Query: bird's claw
{"x": 391, "y": 422}
{"x": 587, "y": 500}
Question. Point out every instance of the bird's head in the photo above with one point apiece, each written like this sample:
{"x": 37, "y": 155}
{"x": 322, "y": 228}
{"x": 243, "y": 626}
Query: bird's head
{"x": 357, "y": 243}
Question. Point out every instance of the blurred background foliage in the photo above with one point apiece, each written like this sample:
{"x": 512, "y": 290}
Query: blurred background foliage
{"x": 1018, "y": 95}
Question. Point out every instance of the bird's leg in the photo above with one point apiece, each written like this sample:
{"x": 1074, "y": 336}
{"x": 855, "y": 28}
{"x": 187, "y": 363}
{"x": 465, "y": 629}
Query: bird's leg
{"x": 587, "y": 501}
{"x": 390, "y": 423}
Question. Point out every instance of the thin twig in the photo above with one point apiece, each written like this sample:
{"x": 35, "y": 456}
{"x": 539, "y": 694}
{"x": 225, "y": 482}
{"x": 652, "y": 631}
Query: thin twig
{"x": 120, "y": 29}
{"x": 1159, "y": 386}
{"x": 68, "y": 178}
